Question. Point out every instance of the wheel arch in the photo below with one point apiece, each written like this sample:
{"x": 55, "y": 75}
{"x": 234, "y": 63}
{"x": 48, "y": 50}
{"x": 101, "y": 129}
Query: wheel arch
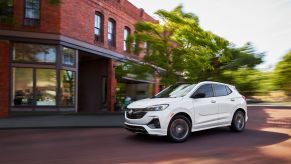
{"x": 240, "y": 109}
{"x": 185, "y": 115}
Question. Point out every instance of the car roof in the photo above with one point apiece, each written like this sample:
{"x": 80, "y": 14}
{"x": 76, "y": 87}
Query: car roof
{"x": 205, "y": 82}
{"x": 214, "y": 82}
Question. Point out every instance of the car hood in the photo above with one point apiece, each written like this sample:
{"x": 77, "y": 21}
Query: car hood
{"x": 153, "y": 101}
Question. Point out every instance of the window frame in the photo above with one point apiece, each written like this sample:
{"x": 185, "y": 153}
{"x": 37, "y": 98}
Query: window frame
{"x": 126, "y": 29}
{"x": 36, "y": 21}
{"x": 34, "y": 86}
{"x": 112, "y": 42}
{"x": 75, "y": 89}
{"x": 62, "y": 54}
{"x": 99, "y": 38}
{"x": 12, "y": 87}
{"x": 56, "y": 87}
{"x": 57, "y": 66}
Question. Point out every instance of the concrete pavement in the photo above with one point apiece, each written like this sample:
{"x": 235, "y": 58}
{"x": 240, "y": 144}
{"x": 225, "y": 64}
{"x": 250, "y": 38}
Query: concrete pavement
{"x": 63, "y": 120}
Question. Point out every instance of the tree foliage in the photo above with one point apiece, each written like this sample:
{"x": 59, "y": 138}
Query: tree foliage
{"x": 138, "y": 70}
{"x": 179, "y": 44}
{"x": 282, "y": 73}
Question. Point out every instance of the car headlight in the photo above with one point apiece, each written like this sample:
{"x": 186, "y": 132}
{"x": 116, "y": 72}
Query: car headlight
{"x": 157, "y": 107}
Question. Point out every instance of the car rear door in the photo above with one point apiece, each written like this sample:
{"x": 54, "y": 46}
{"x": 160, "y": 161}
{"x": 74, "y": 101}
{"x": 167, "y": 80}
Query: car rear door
{"x": 225, "y": 101}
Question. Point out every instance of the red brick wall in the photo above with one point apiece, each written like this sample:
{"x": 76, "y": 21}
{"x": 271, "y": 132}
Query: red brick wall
{"x": 77, "y": 19}
{"x": 111, "y": 85}
{"x": 4, "y": 78}
{"x": 49, "y": 18}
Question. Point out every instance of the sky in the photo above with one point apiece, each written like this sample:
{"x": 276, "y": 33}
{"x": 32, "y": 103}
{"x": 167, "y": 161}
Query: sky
{"x": 265, "y": 23}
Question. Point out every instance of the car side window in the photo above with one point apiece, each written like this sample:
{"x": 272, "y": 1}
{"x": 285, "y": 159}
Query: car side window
{"x": 205, "y": 90}
{"x": 220, "y": 90}
{"x": 229, "y": 91}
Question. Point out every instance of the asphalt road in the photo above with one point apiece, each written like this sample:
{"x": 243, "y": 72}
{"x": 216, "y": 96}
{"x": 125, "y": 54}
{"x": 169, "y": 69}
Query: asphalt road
{"x": 266, "y": 139}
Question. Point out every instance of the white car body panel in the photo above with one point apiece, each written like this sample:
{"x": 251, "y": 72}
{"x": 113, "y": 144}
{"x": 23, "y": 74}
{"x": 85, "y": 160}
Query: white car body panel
{"x": 205, "y": 113}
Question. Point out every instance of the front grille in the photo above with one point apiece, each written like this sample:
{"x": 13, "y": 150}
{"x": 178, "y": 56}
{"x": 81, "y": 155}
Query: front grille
{"x": 135, "y": 129}
{"x": 135, "y": 114}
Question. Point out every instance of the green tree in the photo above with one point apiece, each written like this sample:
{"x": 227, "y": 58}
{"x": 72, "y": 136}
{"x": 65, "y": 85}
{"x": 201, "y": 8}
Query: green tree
{"x": 282, "y": 74}
{"x": 246, "y": 80}
{"x": 240, "y": 70}
{"x": 179, "y": 45}
{"x": 246, "y": 56}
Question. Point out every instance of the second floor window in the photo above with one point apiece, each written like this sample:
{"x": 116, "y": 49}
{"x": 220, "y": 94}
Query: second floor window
{"x": 6, "y": 8}
{"x": 111, "y": 32}
{"x": 98, "y": 27}
{"x": 32, "y": 13}
{"x": 125, "y": 36}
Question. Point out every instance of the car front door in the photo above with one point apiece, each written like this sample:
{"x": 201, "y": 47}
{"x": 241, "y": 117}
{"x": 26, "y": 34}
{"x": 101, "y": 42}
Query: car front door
{"x": 205, "y": 107}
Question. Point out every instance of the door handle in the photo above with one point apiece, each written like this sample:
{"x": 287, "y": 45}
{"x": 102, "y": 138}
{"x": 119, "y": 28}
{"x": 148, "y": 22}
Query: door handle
{"x": 213, "y": 101}
{"x": 232, "y": 99}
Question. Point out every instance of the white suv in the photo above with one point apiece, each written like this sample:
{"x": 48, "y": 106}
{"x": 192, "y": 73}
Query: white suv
{"x": 184, "y": 108}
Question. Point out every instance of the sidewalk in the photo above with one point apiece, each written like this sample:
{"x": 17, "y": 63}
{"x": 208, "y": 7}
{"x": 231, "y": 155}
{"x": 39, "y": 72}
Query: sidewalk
{"x": 63, "y": 121}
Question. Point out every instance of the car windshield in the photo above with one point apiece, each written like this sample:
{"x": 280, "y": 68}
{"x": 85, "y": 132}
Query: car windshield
{"x": 177, "y": 90}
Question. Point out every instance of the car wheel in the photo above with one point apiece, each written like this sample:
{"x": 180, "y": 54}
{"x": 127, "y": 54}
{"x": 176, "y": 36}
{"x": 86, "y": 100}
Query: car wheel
{"x": 238, "y": 122}
{"x": 179, "y": 129}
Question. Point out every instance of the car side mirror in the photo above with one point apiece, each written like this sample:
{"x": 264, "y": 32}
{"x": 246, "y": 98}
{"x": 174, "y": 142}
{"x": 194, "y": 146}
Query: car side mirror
{"x": 199, "y": 95}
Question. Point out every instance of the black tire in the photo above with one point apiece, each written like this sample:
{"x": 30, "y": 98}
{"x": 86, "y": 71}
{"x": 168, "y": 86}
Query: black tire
{"x": 238, "y": 122}
{"x": 179, "y": 129}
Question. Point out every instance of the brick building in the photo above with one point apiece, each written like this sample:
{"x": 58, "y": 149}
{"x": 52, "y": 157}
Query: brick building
{"x": 62, "y": 58}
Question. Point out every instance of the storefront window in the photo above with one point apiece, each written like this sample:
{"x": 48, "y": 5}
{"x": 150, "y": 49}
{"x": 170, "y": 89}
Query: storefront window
{"x": 38, "y": 81}
{"x": 45, "y": 87}
{"x": 22, "y": 93}
{"x": 67, "y": 88}
{"x": 69, "y": 56}
{"x": 34, "y": 53}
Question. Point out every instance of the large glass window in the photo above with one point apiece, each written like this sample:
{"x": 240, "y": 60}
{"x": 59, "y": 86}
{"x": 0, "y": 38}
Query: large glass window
{"x": 34, "y": 53}
{"x": 67, "y": 88}
{"x": 22, "y": 92}
{"x": 32, "y": 12}
{"x": 69, "y": 56}
{"x": 35, "y": 78}
{"x": 111, "y": 32}
{"x": 98, "y": 27}
{"x": 125, "y": 36}
{"x": 45, "y": 87}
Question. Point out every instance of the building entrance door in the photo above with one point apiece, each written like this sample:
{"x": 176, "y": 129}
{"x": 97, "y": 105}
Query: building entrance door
{"x": 92, "y": 87}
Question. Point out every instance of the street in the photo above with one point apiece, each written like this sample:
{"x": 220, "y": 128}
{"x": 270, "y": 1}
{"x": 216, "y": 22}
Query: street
{"x": 266, "y": 139}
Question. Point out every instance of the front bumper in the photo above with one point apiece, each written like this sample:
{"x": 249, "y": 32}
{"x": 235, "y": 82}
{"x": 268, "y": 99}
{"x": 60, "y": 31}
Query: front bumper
{"x": 153, "y": 123}
{"x": 135, "y": 128}
{"x": 144, "y": 129}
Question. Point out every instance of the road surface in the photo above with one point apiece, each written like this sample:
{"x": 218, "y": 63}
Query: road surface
{"x": 266, "y": 139}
